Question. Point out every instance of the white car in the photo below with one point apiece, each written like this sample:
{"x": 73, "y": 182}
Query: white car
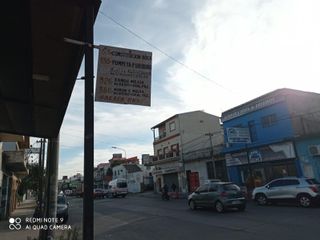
{"x": 117, "y": 187}
{"x": 305, "y": 191}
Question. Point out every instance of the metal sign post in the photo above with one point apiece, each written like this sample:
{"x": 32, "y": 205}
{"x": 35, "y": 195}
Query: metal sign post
{"x": 88, "y": 210}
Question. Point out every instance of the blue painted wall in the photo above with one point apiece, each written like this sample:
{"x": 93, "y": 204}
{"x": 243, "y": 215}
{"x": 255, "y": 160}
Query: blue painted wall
{"x": 281, "y": 130}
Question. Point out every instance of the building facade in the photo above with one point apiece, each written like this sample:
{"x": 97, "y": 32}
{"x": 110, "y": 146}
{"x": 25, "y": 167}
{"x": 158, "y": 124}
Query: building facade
{"x": 13, "y": 167}
{"x": 184, "y": 145}
{"x": 136, "y": 175}
{"x": 270, "y": 136}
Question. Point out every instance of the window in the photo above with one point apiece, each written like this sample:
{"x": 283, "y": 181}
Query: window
{"x": 210, "y": 170}
{"x": 121, "y": 184}
{"x": 230, "y": 187}
{"x": 253, "y": 131}
{"x": 175, "y": 149}
{"x": 268, "y": 121}
{"x": 276, "y": 183}
{"x": 172, "y": 126}
{"x": 312, "y": 181}
{"x": 213, "y": 188}
{"x": 290, "y": 182}
{"x": 165, "y": 150}
{"x": 203, "y": 188}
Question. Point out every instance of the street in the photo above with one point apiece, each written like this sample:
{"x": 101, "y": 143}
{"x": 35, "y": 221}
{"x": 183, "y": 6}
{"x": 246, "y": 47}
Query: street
{"x": 138, "y": 217}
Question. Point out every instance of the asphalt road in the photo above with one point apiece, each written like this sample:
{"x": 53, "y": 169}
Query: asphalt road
{"x": 144, "y": 218}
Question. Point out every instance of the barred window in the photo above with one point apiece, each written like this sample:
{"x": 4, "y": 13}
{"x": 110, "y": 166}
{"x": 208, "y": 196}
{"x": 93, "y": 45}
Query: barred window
{"x": 268, "y": 121}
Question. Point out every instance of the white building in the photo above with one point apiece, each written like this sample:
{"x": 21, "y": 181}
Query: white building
{"x": 184, "y": 145}
{"x": 134, "y": 173}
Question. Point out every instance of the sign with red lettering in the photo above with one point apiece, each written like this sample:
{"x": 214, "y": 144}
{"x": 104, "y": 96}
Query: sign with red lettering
{"x": 124, "y": 76}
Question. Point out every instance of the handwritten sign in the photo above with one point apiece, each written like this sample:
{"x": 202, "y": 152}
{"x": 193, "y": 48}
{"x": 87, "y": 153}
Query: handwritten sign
{"x": 124, "y": 76}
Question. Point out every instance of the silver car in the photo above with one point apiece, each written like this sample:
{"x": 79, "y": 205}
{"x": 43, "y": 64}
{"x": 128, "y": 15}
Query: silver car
{"x": 303, "y": 190}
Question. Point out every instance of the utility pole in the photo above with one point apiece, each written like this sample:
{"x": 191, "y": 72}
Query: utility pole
{"x": 51, "y": 185}
{"x": 88, "y": 209}
{"x": 41, "y": 171}
{"x": 251, "y": 182}
{"x": 211, "y": 154}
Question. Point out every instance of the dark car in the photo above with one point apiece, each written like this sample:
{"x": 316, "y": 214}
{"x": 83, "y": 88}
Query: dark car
{"x": 219, "y": 195}
{"x": 62, "y": 208}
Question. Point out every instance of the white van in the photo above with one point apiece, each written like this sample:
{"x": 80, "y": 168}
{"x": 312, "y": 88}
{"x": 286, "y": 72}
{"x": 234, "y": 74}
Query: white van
{"x": 117, "y": 187}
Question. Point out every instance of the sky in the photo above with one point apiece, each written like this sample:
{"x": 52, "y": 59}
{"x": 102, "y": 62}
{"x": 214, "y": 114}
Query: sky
{"x": 209, "y": 55}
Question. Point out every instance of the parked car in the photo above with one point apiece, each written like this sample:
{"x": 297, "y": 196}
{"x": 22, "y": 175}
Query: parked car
{"x": 99, "y": 193}
{"x": 117, "y": 187}
{"x": 62, "y": 208}
{"x": 305, "y": 191}
{"x": 220, "y": 195}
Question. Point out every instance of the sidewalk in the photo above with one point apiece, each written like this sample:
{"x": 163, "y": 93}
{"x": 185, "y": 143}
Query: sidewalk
{"x": 23, "y": 211}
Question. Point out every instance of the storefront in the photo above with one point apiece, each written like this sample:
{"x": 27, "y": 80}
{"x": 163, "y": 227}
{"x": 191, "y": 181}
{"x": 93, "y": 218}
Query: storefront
{"x": 255, "y": 167}
{"x": 169, "y": 176}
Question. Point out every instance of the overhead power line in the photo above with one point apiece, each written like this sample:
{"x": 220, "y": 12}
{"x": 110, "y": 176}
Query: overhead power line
{"x": 163, "y": 52}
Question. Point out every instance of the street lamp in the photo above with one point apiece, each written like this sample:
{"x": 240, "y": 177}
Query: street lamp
{"x": 125, "y": 153}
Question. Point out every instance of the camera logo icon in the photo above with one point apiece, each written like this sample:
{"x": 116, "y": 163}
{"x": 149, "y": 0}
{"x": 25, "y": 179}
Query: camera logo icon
{"x": 15, "y": 223}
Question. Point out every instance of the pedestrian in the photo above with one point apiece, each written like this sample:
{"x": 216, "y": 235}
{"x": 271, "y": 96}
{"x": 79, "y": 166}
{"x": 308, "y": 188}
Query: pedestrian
{"x": 165, "y": 191}
{"x": 173, "y": 187}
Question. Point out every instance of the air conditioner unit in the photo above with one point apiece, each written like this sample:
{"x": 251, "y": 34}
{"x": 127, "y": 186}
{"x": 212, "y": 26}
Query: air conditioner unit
{"x": 314, "y": 150}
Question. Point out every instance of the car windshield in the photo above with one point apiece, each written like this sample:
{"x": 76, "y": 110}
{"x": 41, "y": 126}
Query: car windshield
{"x": 61, "y": 200}
{"x": 312, "y": 181}
{"x": 231, "y": 187}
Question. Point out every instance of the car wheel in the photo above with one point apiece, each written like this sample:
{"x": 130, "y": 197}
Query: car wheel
{"x": 261, "y": 199}
{"x": 192, "y": 205}
{"x": 219, "y": 207}
{"x": 242, "y": 208}
{"x": 304, "y": 200}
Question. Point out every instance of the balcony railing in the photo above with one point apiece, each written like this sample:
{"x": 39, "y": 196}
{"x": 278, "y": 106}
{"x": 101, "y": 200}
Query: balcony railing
{"x": 168, "y": 156}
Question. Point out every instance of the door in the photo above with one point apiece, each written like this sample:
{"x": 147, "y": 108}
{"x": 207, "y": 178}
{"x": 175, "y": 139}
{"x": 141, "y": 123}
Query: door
{"x": 212, "y": 196}
{"x": 275, "y": 189}
{"x": 201, "y": 195}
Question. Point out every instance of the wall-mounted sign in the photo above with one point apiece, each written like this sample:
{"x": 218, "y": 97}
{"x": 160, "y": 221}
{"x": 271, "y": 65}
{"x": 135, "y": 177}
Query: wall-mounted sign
{"x": 251, "y": 107}
{"x": 272, "y": 152}
{"x": 238, "y": 135}
{"x": 124, "y": 76}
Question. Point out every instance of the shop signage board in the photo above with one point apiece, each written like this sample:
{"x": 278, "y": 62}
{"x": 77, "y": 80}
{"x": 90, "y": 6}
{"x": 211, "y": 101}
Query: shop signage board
{"x": 33, "y": 150}
{"x": 238, "y": 135}
{"x": 124, "y": 76}
{"x": 272, "y": 152}
{"x": 251, "y": 107}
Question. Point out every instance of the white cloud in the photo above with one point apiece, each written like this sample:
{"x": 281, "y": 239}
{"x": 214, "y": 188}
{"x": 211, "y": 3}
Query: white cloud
{"x": 251, "y": 47}
{"x": 72, "y": 166}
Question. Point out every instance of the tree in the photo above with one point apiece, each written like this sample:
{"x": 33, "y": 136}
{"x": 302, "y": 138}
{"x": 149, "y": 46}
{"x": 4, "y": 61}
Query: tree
{"x": 30, "y": 182}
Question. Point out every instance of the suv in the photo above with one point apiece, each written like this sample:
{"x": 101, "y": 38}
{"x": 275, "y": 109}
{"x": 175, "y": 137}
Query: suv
{"x": 220, "y": 195}
{"x": 303, "y": 190}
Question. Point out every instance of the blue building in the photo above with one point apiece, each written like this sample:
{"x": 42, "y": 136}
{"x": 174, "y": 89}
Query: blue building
{"x": 274, "y": 135}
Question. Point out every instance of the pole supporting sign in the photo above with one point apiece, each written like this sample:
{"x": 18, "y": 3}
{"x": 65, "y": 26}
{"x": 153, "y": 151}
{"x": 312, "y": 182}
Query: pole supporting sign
{"x": 124, "y": 76}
